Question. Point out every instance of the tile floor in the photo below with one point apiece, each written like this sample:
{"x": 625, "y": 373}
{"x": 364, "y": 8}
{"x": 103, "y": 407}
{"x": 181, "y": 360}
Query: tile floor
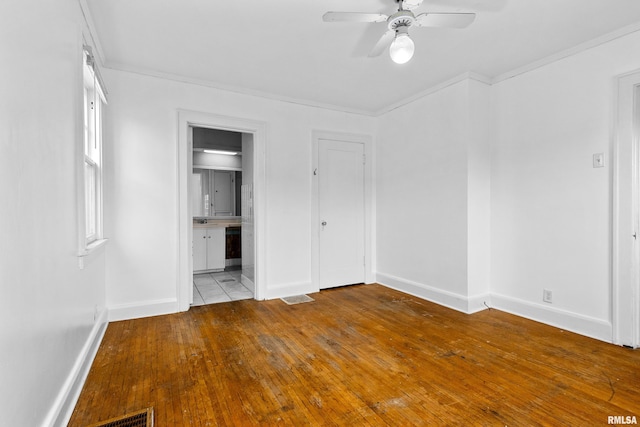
{"x": 211, "y": 288}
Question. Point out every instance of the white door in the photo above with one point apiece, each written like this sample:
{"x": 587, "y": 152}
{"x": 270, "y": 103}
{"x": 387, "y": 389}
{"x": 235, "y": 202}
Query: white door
{"x": 626, "y": 215}
{"x": 341, "y": 213}
{"x": 222, "y": 196}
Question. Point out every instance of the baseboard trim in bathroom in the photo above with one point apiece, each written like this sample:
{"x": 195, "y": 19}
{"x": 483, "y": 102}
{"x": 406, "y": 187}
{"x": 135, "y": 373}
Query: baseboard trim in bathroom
{"x": 297, "y": 299}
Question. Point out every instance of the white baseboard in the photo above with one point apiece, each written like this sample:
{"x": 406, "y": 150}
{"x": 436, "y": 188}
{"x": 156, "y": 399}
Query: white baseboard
{"x": 143, "y": 309}
{"x": 64, "y": 404}
{"x": 290, "y": 289}
{"x": 429, "y": 293}
{"x": 478, "y": 303}
{"x": 580, "y": 324}
{"x": 247, "y": 282}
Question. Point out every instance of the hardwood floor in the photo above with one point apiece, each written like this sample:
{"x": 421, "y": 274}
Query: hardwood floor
{"x": 360, "y": 355}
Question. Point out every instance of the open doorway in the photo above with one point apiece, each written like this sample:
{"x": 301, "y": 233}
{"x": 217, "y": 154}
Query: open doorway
{"x": 221, "y": 206}
{"x": 220, "y": 200}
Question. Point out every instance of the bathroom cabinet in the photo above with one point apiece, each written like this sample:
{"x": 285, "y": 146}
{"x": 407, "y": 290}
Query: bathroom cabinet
{"x": 208, "y": 249}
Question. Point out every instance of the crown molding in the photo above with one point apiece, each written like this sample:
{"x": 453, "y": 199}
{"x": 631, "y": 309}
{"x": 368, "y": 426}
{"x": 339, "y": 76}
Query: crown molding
{"x": 234, "y": 89}
{"x": 469, "y": 75}
{"x": 590, "y": 44}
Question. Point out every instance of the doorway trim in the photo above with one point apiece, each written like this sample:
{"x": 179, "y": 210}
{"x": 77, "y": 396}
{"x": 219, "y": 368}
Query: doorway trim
{"x": 186, "y": 120}
{"x": 625, "y": 289}
{"x": 369, "y": 203}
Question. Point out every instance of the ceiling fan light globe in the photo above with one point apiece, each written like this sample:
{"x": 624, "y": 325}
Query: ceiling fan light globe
{"x": 402, "y": 48}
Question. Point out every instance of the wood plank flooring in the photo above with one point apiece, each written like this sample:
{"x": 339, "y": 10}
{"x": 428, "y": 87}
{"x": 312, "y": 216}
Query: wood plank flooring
{"x": 359, "y": 355}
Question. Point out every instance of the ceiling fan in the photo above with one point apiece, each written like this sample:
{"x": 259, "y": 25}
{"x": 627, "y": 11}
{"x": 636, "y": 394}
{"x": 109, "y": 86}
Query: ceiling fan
{"x": 401, "y": 47}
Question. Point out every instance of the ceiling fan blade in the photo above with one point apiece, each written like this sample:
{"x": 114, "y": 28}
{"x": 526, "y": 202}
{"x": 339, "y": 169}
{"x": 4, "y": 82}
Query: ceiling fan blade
{"x": 411, "y": 4}
{"x": 383, "y": 43}
{"x": 447, "y": 20}
{"x": 353, "y": 17}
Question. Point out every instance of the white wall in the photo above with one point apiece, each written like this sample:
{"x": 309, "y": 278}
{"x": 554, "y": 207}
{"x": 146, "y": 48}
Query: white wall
{"x": 550, "y": 208}
{"x": 142, "y": 218}
{"x": 479, "y": 193}
{"x": 421, "y": 191}
{"x": 48, "y": 304}
{"x": 487, "y": 193}
{"x": 433, "y": 196}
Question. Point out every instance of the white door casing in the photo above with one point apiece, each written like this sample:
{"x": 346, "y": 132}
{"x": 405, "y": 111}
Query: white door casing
{"x": 625, "y": 307}
{"x": 186, "y": 120}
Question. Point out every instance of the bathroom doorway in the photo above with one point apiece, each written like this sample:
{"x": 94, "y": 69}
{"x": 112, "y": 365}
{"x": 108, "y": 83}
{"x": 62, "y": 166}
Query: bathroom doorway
{"x": 234, "y": 223}
{"x": 222, "y": 221}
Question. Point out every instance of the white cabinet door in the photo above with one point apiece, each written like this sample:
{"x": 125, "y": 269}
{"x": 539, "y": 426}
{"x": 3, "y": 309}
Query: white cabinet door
{"x": 209, "y": 248}
{"x": 216, "y": 248}
{"x": 200, "y": 249}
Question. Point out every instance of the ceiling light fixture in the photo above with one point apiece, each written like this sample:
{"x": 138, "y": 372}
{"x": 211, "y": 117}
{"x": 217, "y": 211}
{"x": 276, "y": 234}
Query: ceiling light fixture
{"x": 226, "y": 153}
{"x": 396, "y": 38}
{"x": 402, "y": 47}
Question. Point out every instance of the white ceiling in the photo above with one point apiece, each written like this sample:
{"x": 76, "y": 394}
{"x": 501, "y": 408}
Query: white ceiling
{"x": 283, "y": 49}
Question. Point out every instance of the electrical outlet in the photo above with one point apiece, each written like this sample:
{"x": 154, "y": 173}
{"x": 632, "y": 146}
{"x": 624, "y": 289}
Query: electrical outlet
{"x": 547, "y": 296}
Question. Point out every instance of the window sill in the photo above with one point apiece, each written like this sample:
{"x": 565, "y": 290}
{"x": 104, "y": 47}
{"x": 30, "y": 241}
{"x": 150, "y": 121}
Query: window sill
{"x": 90, "y": 249}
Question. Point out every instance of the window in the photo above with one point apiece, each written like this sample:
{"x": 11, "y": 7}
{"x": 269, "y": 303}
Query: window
{"x": 94, "y": 99}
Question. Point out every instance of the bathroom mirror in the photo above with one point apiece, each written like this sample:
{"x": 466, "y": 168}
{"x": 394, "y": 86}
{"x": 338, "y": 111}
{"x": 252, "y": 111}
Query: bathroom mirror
{"x": 215, "y": 193}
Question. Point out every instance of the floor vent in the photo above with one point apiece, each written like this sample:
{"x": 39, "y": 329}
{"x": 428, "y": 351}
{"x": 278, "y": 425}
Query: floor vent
{"x": 142, "y": 418}
{"x": 226, "y": 280}
{"x": 298, "y": 299}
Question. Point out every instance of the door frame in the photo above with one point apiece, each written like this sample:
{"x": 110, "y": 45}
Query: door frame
{"x": 186, "y": 120}
{"x": 369, "y": 202}
{"x": 625, "y": 289}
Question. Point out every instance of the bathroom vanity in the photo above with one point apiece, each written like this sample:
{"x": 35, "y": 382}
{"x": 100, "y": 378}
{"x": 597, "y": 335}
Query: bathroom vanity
{"x": 212, "y": 244}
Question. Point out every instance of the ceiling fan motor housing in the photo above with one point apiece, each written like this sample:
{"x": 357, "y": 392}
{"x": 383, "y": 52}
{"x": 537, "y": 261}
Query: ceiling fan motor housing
{"x": 402, "y": 19}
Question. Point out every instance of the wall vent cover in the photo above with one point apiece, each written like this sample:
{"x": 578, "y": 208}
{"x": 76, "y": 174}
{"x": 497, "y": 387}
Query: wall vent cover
{"x": 143, "y": 418}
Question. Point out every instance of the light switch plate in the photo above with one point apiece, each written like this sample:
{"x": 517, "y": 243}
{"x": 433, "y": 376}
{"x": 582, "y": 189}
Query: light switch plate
{"x": 598, "y": 160}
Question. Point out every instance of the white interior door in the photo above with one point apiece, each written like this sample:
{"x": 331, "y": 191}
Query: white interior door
{"x": 626, "y": 214}
{"x": 341, "y": 213}
{"x": 222, "y": 183}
